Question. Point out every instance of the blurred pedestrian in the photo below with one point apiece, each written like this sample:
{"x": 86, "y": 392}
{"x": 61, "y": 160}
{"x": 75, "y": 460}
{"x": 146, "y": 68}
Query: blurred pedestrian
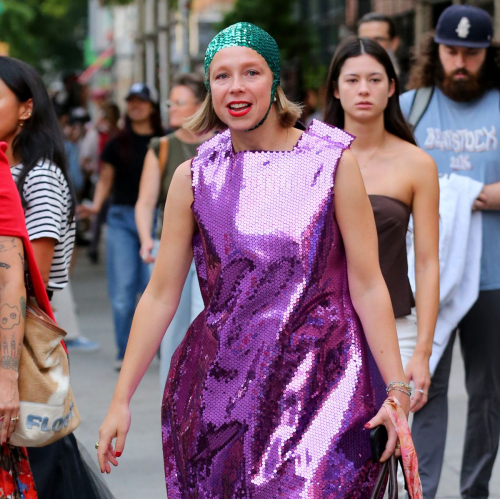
{"x": 74, "y": 133}
{"x": 122, "y": 163}
{"x": 455, "y": 106}
{"x": 274, "y": 380}
{"x": 164, "y": 156}
{"x": 36, "y": 152}
{"x": 105, "y": 129}
{"x": 382, "y": 29}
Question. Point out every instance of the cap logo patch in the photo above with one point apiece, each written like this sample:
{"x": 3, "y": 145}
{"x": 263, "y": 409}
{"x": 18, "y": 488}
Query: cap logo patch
{"x": 463, "y": 28}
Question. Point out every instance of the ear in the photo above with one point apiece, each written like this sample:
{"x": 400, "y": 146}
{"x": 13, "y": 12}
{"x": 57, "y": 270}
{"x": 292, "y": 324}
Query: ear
{"x": 336, "y": 91}
{"x": 392, "y": 88}
{"x": 395, "y": 43}
{"x": 26, "y": 109}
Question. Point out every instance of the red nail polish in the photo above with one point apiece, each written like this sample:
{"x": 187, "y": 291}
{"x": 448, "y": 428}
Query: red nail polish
{"x": 118, "y": 454}
{"x": 367, "y": 425}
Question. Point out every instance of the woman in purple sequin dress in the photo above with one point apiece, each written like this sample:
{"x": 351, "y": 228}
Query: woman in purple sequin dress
{"x": 270, "y": 390}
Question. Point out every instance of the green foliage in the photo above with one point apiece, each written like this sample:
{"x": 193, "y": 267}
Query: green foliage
{"x": 45, "y": 33}
{"x": 277, "y": 17}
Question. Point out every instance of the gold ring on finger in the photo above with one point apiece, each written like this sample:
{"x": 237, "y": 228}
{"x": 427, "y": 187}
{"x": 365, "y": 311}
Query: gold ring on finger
{"x": 398, "y": 446}
{"x": 15, "y": 419}
{"x": 96, "y": 445}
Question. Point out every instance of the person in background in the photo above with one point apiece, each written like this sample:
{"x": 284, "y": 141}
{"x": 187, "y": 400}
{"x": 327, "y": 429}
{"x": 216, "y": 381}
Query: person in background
{"x": 459, "y": 129}
{"x": 104, "y": 130}
{"x": 401, "y": 180}
{"x": 13, "y": 241}
{"x": 74, "y": 133}
{"x": 122, "y": 164}
{"x": 164, "y": 156}
{"x": 29, "y": 126}
{"x": 382, "y": 29}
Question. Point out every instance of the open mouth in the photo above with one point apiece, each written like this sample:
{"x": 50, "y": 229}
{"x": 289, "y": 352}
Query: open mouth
{"x": 239, "y": 108}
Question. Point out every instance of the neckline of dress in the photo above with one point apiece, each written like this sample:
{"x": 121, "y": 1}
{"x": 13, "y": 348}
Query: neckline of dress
{"x": 293, "y": 149}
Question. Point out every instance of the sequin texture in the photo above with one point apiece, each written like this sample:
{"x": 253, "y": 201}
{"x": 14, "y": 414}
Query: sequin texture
{"x": 268, "y": 393}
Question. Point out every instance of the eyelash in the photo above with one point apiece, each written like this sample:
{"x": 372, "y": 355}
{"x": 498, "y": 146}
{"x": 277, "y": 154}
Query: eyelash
{"x": 224, "y": 75}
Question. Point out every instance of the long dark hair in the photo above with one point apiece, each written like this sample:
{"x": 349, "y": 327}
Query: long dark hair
{"x": 41, "y": 138}
{"x": 394, "y": 121}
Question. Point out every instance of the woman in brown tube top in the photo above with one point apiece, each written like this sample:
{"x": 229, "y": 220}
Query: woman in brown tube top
{"x": 401, "y": 180}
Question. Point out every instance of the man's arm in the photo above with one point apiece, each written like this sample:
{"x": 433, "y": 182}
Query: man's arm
{"x": 489, "y": 199}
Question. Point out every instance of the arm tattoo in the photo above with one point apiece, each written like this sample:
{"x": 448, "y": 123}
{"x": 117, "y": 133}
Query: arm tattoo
{"x": 10, "y": 358}
{"x": 23, "y": 306}
{"x": 22, "y": 259}
{"x": 10, "y": 317}
{"x": 7, "y": 244}
{"x": 5, "y": 266}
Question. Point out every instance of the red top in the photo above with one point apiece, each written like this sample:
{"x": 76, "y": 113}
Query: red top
{"x": 12, "y": 223}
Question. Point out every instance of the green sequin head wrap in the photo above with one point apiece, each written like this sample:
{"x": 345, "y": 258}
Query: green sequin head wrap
{"x": 251, "y": 36}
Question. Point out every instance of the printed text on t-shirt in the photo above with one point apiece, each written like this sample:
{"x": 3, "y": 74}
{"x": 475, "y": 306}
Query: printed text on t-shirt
{"x": 459, "y": 141}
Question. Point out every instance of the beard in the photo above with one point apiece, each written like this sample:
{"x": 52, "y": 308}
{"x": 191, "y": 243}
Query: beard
{"x": 463, "y": 90}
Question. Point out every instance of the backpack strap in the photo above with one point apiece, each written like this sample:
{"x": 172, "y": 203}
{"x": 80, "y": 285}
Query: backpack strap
{"x": 163, "y": 154}
{"x": 419, "y": 105}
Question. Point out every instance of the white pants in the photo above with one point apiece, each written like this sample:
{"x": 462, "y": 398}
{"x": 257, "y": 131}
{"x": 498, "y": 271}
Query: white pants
{"x": 407, "y": 337}
{"x": 190, "y": 306}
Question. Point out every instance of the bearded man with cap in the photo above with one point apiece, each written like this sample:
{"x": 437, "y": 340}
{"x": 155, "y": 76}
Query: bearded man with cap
{"x": 455, "y": 109}
{"x": 269, "y": 391}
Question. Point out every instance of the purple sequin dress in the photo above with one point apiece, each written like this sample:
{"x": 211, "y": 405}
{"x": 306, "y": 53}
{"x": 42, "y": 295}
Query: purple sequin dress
{"x": 268, "y": 393}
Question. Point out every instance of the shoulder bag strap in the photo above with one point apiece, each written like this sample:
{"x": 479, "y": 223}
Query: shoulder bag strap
{"x": 163, "y": 154}
{"x": 419, "y": 105}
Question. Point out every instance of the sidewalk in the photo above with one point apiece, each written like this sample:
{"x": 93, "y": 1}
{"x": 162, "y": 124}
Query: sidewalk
{"x": 140, "y": 473}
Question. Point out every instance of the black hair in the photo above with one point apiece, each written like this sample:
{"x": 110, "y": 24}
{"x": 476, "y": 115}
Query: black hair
{"x": 378, "y": 17}
{"x": 154, "y": 119}
{"x": 41, "y": 138}
{"x": 394, "y": 121}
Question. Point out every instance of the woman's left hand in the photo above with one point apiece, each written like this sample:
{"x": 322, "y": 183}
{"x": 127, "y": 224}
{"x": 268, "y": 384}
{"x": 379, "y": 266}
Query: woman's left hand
{"x": 9, "y": 404}
{"x": 418, "y": 371}
{"x": 382, "y": 418}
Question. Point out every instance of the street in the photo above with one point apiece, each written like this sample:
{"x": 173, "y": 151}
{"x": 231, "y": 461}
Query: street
{"x": 140, "y": 473}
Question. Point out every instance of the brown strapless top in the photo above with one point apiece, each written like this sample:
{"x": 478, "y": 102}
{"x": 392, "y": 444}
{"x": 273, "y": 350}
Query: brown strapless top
{"x": 391, "y": 218}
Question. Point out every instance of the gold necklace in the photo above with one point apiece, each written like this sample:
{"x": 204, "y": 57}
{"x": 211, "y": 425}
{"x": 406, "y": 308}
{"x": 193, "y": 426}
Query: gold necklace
{"x": 286, "y": 140}
{"x": 373, "y": 153}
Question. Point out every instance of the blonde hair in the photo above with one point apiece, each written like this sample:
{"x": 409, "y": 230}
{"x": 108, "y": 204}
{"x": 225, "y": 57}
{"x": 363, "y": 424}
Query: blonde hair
{"x": 206, "y": 120}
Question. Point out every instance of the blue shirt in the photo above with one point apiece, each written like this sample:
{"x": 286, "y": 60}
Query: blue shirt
{"x": 462, "y": 137}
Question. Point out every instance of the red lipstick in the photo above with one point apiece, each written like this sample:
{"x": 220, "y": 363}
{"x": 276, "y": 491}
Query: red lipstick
{"x": 239, "y": 108}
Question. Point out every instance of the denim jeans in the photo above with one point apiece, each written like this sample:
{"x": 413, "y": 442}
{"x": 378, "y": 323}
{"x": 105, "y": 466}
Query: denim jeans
{"x": 127, "y": 274}
{"x": 190, "y": 306}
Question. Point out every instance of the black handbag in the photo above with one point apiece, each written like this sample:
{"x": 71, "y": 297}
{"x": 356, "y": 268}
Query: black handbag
{"x": 389, "y": 469}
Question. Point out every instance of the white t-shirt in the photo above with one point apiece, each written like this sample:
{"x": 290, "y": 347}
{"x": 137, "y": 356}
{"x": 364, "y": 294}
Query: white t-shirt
{"x": 48, "y": 199}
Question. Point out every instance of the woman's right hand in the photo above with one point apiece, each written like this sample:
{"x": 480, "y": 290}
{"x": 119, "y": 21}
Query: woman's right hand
{"x": 116, "y": 425}
{"x": 85, "y": 210}
{"x": 146, "y": 251}
{"x": 9, "y": 404}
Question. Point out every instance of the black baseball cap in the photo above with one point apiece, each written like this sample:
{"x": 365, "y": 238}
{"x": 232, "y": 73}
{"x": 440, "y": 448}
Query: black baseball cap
{"x": 464, "y": 26}
{"x": 142, "y": 91}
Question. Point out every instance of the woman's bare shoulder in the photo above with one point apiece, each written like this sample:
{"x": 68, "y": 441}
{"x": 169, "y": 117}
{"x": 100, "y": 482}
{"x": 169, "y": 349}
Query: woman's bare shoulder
{"x": 412, "y": 156}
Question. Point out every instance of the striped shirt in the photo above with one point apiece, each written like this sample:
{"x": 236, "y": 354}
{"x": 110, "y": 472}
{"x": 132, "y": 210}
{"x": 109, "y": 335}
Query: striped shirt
{"x": 48, "y": 199}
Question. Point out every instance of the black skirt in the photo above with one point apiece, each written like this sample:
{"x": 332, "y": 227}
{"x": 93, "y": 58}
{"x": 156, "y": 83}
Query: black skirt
{"x": 64, "y": 470}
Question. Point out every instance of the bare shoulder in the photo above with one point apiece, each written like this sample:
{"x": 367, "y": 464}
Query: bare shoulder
{"x": 348, "y": 161}
{"x": 181, "y": 180}
{"x": 414, "y": 158}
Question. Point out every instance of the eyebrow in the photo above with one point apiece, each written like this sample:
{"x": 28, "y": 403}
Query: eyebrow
{"x": 245, "y": 64}
{"x": 371, "y": 74}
